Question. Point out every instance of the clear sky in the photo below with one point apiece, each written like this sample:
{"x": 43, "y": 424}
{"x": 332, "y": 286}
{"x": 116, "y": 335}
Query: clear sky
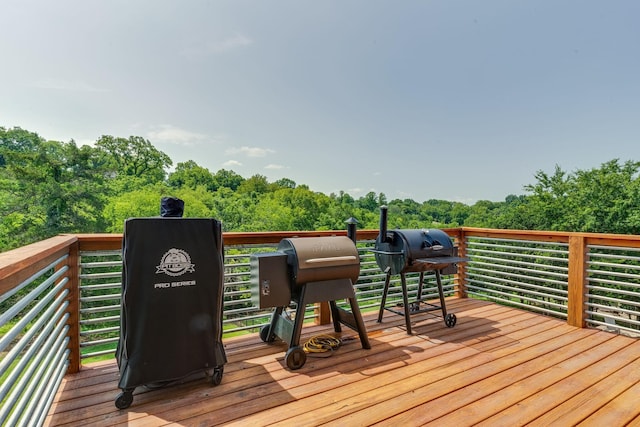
{"x": 456, "y": 100}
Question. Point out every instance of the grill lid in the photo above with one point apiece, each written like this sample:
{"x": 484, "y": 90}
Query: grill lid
{"x": 414, "y": 250}
{"x": 399, "y": 251}
{"x": 313, "y": 259}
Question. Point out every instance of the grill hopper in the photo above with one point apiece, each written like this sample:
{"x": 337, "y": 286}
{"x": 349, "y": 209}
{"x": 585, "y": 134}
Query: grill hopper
{"x": 307, "y": 270}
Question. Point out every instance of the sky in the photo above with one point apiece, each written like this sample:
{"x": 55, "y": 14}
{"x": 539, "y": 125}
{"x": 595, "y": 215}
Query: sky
{"x": 459, "y": 100}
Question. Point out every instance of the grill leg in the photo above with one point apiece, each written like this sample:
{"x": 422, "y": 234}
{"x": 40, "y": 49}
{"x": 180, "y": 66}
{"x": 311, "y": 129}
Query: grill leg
{"x": 449, "y": 319}
{"x": 387, "y": 280}
{"x": 268, "y": 333}
{"x": 405, "y": 300}
{"x": 351, "y": 319}
{"x": 335, "y": 316}
{"x": 441, "y": 294}
{"x": 355, "y": 309}
{"x": 299, "y": 320}
{"x": 420, "y": 282}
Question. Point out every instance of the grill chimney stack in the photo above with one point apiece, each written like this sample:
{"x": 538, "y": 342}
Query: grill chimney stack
{"x": 382, "y": 237}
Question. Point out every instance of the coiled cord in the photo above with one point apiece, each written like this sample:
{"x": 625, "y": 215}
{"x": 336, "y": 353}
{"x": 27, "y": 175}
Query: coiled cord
{"x": 321, "y": 344}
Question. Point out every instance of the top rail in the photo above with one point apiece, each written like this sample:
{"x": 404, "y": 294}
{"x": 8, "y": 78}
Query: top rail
{"x": 18, "y": 264}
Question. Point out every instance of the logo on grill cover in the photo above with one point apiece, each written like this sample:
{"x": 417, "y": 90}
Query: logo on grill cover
{"x": 175, "y": 262}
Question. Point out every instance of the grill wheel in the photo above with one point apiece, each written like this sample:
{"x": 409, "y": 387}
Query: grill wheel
{"x": 295, "y": 358}
{"x": 450, "y": 320}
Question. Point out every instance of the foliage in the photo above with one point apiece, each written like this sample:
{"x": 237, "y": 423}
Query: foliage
{"x": 604, "y": 199}
{"x": 133, "y": 156}
{"x": 145, "y": 202}
{"x": 190, "y": 175}
{"x": 227, "y": 179}
{"x": 51, "y": 187}
{"x": 47, "y": 188}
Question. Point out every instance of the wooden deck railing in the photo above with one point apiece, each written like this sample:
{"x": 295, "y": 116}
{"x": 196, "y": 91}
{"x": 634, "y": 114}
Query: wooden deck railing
{"x": 602, "y": 272}
{"x": 60, "y": 297}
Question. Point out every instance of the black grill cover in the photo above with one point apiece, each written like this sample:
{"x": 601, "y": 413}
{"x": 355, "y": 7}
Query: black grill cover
{"x": 172, "y": 294}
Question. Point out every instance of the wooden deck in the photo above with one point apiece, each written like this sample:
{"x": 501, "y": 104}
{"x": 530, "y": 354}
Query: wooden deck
{"x": 497, "y": 367}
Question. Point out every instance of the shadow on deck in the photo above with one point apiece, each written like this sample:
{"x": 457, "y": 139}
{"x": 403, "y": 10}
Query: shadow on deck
{"x": 498, "y": 366}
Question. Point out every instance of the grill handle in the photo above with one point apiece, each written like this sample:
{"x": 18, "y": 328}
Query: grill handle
{"x": 376, "y": 251}
{"x": 331, "y": 261}
{"x": 435, "y": 247}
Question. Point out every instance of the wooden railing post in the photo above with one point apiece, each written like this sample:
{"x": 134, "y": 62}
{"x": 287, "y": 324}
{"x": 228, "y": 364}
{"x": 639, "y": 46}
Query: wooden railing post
{"x": 577, "y": 281}
{"x": 461, "y": 276}
{"x": 323, "y": 313}
{"x": 74, "y": 308}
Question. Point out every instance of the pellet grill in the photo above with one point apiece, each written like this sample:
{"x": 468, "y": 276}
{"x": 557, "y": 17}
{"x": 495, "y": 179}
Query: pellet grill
{"x": 399, "y": 252}
{"x": 306, "y": 270}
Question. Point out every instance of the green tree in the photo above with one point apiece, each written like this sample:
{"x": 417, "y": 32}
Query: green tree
{"x": 513, "y": 213}
{"x": 285, "y": 183}
{"x": 603, "y": 199}
{"x": 145, "y": 202}
{"x": 481, "y": 213}
{"x": 606, "y": 198}
{"x": 47, "y": 188}
{"x": 459, "y": 214}
{"x": 254, "y": 186}
{"x": 189, "y": 174}
{"x": 234, "y": 209}
{"x": 549, "y": 203}
{"x": 371, "y": 201}
{"x": 342, "y": 207}
{"x": 227, "y": 179}
{"x": 135, "y": 157}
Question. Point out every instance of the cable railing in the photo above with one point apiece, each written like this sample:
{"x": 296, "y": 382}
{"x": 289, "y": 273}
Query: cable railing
{"x": 521, "y": 273}
{"x": 34, "y": 341}
{"x": 100, "y": 288}
{"x": 613, "y": 288}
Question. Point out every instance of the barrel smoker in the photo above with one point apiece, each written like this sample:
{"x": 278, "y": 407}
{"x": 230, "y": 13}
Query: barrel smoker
{"x": 415, "y": 250}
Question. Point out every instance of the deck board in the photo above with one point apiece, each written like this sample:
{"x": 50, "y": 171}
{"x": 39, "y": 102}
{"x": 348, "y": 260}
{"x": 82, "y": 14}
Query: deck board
{"x": 497, "y": 366}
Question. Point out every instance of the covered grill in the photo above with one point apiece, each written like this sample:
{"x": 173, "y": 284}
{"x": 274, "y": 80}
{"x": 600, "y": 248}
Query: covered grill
{"x": 306, "y": 270}
{"x": 172, "y": 296}
{"x": 415, "y": 250}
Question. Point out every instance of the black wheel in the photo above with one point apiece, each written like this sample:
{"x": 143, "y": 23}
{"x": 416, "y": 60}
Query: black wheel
{"x": 216, "y": 378}
{"x": 124, "y": 399}
{"x": 450, "y": 320}
{"x": 264, "y": 334}
{"x": 295, "y": 358}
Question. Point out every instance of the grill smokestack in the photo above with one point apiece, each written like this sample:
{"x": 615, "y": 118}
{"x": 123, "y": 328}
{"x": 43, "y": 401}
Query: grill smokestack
{"x": 382, "y": 237}
{"x": 352, "y": 224}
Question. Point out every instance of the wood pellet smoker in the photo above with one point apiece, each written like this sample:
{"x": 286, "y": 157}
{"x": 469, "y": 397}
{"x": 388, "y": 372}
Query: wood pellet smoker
{"x": 306, "y": 270}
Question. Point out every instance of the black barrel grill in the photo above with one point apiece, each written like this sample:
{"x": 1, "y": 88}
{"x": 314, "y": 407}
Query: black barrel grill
{"x": 306, "y": 270}
{"x": 415, "y": 250}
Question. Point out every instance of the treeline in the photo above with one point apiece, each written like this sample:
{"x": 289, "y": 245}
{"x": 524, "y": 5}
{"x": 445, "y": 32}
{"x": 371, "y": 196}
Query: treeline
{"x": 51, "y": 187}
